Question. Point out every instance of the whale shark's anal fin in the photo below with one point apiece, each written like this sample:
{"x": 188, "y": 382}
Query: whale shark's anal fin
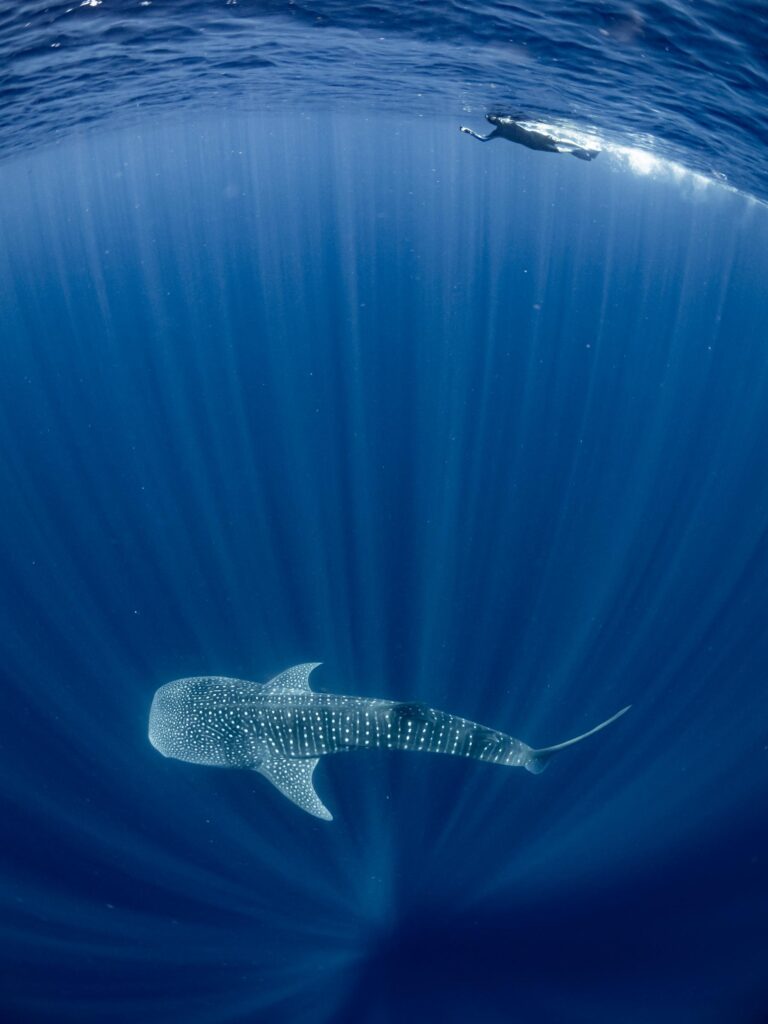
{"x": 293, "y": 680}
{"x": 293, "y": 777}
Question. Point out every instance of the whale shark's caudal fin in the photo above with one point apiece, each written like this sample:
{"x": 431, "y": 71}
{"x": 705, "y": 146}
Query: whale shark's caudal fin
{"x": 539, "y": 759}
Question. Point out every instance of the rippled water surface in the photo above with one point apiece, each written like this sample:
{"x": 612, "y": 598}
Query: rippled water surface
{"x": 686, "y": 80}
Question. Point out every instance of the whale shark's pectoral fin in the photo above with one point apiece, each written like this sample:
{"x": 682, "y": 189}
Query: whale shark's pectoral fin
{"x": 293, "y": 777}
{"x": 293, "y": 680}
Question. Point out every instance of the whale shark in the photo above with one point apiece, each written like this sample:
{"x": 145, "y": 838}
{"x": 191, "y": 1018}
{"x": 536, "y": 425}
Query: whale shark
{"x": 282, "y": 728}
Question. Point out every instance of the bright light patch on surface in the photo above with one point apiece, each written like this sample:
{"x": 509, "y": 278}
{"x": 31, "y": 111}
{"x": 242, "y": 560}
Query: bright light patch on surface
{"x": 633, "y": 158}
{"x": 642, "y": 162}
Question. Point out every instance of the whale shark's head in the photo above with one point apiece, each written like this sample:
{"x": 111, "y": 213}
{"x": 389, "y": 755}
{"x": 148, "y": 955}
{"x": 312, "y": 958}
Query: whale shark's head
{"x": 198, "y": 720}
{"x": 162, "y": 715}
{"x": 179, "y": 720}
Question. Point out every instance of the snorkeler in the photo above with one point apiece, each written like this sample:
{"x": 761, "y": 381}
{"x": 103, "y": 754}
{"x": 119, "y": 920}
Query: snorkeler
{"x": 509, "y": 128}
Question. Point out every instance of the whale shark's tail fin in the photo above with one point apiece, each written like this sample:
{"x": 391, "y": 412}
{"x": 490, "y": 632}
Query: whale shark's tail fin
{"x": 539, "y": 759}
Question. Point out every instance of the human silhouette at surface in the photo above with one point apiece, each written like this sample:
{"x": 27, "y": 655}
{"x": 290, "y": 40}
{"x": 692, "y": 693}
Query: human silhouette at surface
{"x": 511, "y": 129}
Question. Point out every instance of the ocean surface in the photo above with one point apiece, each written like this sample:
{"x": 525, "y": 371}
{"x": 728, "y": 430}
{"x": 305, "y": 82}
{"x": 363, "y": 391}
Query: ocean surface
{"x": 292, "y": 370}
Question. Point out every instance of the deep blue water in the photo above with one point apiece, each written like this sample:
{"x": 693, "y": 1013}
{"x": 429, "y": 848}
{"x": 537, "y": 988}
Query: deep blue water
{"x": 292, "y": 370}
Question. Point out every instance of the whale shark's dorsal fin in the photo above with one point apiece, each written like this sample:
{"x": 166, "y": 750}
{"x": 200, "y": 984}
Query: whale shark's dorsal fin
{"x": 293, "y": 680}
{"x": 293, "y": 777}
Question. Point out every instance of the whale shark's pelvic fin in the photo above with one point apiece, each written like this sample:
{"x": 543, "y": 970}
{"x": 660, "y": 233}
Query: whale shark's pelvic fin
{"x": 293, "y": 777}
{"x": 293, "y": 680}
{"x": 539, "y": 759}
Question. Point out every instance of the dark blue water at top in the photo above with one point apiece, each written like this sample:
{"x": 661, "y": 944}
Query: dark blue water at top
{"x": 472, "y": 425}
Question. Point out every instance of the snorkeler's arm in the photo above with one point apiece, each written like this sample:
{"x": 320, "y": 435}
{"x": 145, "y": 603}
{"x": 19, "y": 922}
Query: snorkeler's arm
{"x": 480, "y": 138}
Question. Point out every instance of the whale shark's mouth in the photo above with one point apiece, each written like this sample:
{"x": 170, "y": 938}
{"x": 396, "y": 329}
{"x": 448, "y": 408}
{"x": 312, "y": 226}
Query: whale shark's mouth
{"x": 154, "y": 737}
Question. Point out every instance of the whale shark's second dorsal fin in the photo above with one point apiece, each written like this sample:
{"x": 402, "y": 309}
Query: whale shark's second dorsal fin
{"x": 293, "y": 777}
{"x": 293, "y": 680}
